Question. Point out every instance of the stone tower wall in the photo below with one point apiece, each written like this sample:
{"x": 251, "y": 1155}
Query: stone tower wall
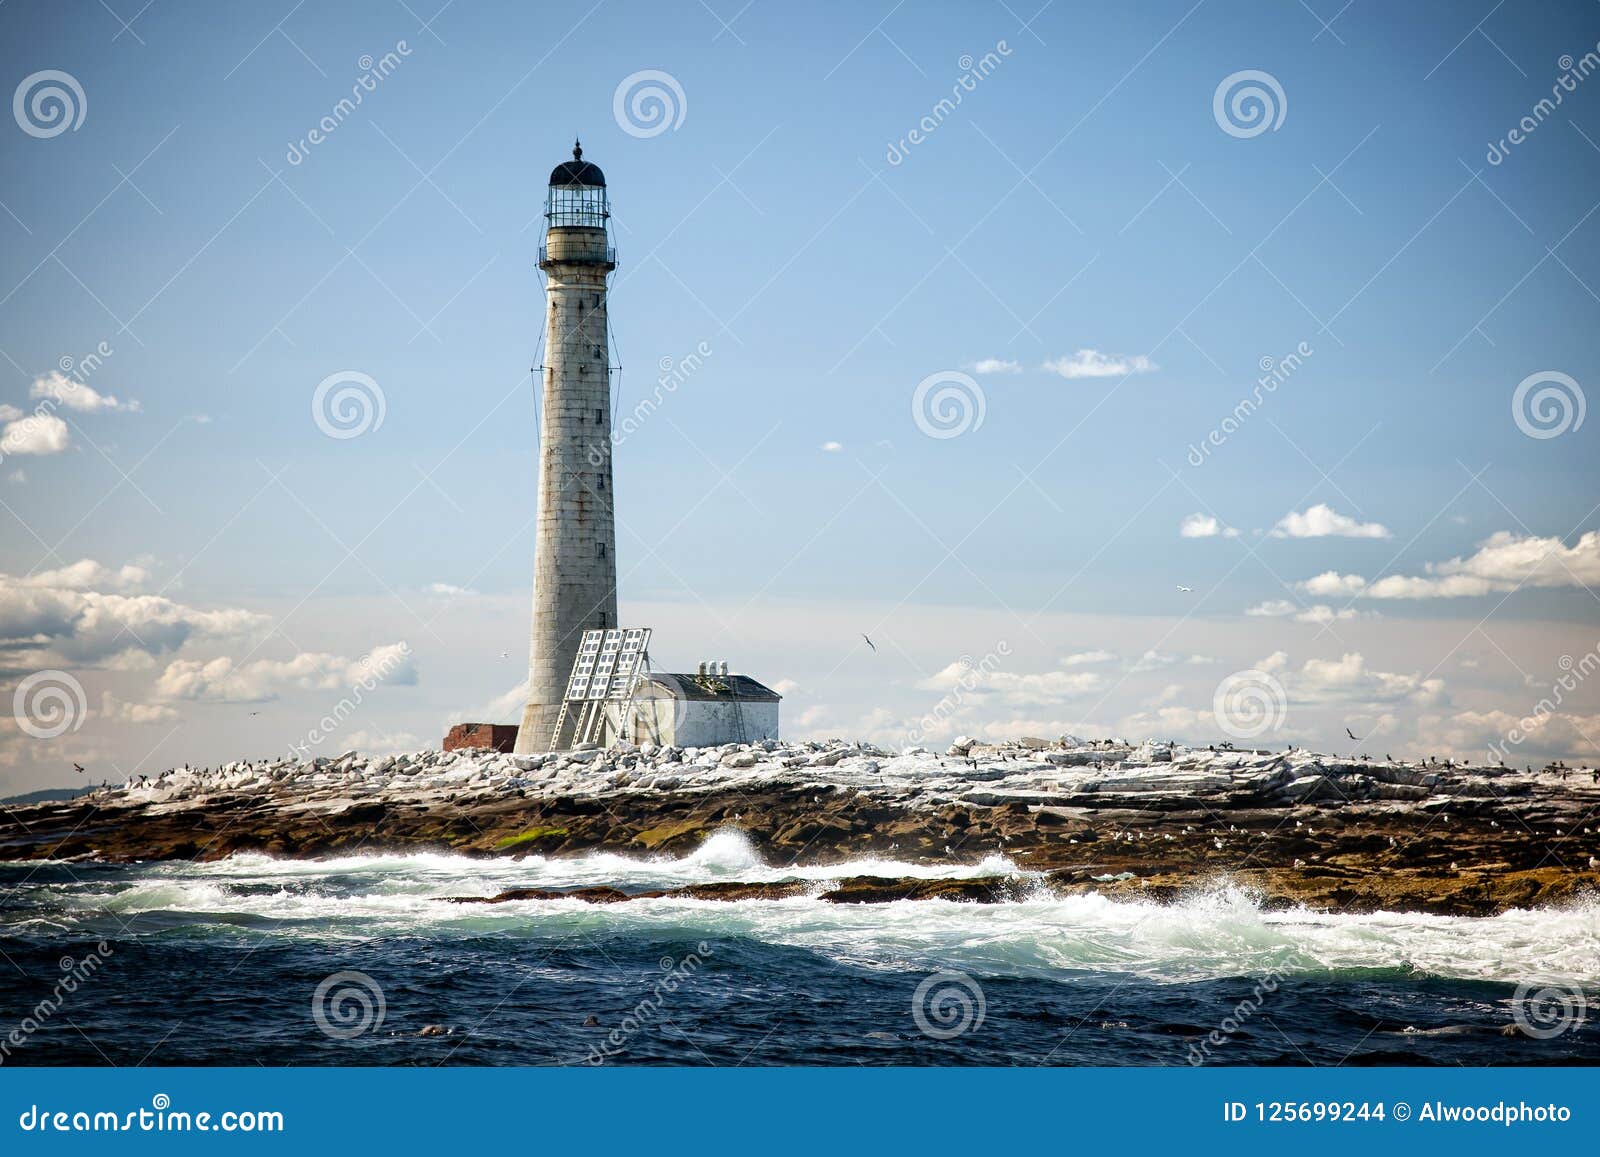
{"x": 575, "y": 565}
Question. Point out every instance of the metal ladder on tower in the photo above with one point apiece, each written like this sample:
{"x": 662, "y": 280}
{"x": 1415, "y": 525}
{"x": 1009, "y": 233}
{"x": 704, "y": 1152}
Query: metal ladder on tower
{"x": 561, "y": 721}
{"x": 738, "y": 711}
{"x": 625, "y": 720}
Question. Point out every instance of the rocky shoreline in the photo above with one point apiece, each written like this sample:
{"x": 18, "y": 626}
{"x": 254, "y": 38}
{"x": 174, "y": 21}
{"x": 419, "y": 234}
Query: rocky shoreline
{"x": 1149, "y": 821}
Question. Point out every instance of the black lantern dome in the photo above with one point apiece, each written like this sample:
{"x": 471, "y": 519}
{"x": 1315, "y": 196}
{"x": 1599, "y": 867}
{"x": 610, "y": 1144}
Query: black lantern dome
{"x": 577, "y": 197}
{"x": 577, "y": 171}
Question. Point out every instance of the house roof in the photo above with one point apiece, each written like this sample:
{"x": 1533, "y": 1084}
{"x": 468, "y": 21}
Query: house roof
{"x": 710, "y": 688}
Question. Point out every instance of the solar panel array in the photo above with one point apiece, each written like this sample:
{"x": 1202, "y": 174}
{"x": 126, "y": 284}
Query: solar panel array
{"x": 629, "y": 656}
{"x": 607, "y": 664}
{"x": 583, "y": 666}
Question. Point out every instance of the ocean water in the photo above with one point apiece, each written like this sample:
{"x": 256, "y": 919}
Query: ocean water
{"x": 363, "y": 960}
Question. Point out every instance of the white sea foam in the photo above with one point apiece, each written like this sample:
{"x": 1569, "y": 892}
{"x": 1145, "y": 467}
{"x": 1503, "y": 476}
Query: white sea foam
{"x": 1216, "y": 932}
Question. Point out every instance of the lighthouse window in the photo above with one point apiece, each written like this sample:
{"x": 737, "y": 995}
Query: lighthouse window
{"x": 599, "y": 416}
{"x": 602, "y": 482}
{"x": 602, "y": 550}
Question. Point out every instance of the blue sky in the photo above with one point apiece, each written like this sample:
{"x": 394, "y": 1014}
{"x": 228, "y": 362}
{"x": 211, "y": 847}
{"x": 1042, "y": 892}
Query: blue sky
{"x": 1083, "y": 195}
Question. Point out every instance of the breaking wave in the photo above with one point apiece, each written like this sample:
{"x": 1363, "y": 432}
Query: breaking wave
{"x": 1219, "y": 932}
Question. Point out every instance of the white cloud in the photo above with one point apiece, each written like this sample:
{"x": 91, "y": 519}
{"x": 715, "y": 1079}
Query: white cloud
{"x": 1012, "y": 688}
{"x": 1166, "y": 722}
{"x": 1274, "y": 663}
{"x": 1528, "y": 740}
{"x": 1323, "y": 521}
{"x": 1167, "y": 695}
{"x": 1332, "y": 584}
{"x": 96, "y": 627}
{"x": 1503, "y": 562}
{"x": 832, "y": 447}
{"x": 1349, "y": 678}
{"x": 19, "y": 476}
{"x": 1158, "y": 660}
{"x": 87, "y": 574}
{"x": 1317, "y": 613}
{"x": 1323, "y": 613}
{"x": 119, "y": 709}
{"x": 8, "y": 412}
{"x": 1204, "y": 526}
{"x": 1082, "y": 658}
{"x": 37, "y": 434}
{"x": 449, "y": 590}
{"x": 376, "y": 741}
{"x": 1091, "y": 363}
{"x": 77, "y": 395}
{"x": 221, "y": 680}
{"x": 504, "y": 708}
{"x": 1272, "y": 609}
{"x": 994, "y": 366}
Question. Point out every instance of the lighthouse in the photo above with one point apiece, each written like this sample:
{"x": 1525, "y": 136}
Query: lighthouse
{"x": 575, "y": 564}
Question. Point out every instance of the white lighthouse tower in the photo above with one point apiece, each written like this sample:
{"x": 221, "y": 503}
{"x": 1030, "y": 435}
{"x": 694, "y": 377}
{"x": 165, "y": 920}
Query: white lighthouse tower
{"x": 575, "y": 566}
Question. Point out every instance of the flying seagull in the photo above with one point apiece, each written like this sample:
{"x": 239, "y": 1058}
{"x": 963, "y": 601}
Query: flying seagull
{"x": 1187, "y": 590}
{"x": 871, "y": 644}
{"x": 1352, "y": 735}
{"x": 78, "y": 767}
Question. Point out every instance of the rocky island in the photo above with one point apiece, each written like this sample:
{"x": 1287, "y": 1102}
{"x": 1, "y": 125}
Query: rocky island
{"x": 1147, "y": 821}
